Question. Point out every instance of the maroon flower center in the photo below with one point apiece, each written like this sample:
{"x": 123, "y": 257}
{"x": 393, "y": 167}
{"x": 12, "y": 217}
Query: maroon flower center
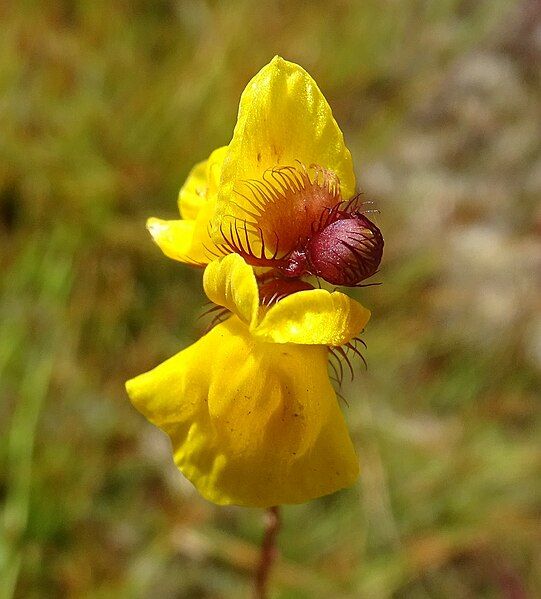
{"x": 298, "y": 225}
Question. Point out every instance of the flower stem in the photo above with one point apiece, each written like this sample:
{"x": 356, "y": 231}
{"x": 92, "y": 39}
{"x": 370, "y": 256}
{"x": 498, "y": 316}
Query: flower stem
{"x": 268, "y": 552}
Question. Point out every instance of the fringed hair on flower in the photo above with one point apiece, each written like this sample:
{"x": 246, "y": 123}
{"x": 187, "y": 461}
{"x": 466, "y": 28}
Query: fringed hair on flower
{"x": 296, "y": 222}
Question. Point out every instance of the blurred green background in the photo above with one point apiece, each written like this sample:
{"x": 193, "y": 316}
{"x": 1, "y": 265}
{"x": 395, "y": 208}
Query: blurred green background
{"x": 104, "y": 108}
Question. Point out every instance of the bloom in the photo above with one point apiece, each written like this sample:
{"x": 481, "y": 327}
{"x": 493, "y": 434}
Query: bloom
{"x": 281, "y": 194}
{"x": 250, "y": 410}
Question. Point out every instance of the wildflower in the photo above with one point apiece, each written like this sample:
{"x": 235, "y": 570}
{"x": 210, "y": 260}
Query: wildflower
{"x": 250, "y": 410}
{"x": 281, "y": 194}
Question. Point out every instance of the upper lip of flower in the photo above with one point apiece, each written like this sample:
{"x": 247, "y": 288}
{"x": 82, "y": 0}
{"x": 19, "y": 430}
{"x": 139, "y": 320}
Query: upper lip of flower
{"x": 285, "y": 128}
{"x": 283, "y": 120}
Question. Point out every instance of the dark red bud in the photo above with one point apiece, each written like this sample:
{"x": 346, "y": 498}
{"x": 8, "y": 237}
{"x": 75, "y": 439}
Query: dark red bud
{"x": 346, "y": 251}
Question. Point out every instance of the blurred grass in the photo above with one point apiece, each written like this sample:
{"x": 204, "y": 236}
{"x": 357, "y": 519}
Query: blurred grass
{"x": 104, "y": 108}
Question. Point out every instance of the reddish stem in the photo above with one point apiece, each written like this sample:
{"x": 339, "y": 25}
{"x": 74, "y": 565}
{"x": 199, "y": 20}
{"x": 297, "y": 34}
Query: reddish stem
{"x": 268, "y": 553}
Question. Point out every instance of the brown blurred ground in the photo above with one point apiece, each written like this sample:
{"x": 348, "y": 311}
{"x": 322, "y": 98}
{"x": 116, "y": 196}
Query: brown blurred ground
{"x": 104, "y": 107}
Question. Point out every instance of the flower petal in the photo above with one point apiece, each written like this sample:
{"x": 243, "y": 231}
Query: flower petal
{"x": 283, "y": 118}
{"x": 313, "y": 317}
{"x": 251, "y": 423}
{"x": 184, "y": 240}
{"x": 201, "y": 184}
{"x": 231, "y": 283}
{"x": 188, "y": 240}
{"x": 193, "y": 194}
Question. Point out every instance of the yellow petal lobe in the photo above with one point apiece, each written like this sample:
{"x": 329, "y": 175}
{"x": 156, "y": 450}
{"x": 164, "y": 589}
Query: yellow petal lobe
{"x": 283, "y": 119}
{"x": 313, "y": 317}
{"x": 201, "y": 184}
{"x": 188, "y": 240}
{"x": 183, "y": 240}
{"x": 231, "y": 283}
{"x": 193, "y": 194}
{"x": 251, "y": 423}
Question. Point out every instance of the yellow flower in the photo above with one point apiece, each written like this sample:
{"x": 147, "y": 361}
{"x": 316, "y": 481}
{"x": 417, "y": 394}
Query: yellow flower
{"x": 249, "y": 408}
{"x": 277, "y": 193}
{"x": 251, "y": 413}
